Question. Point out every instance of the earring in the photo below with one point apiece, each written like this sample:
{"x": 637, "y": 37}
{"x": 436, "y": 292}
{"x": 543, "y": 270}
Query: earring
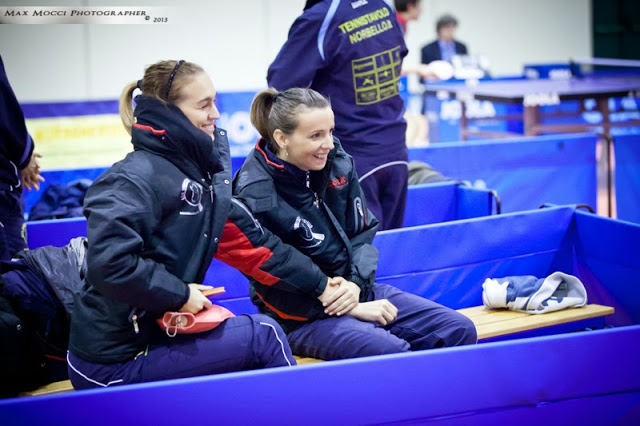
{"x": 286, "y": 152}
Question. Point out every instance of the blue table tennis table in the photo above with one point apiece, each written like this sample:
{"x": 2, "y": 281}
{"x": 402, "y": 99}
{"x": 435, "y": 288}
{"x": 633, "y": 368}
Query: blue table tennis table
{"x": 534, "y": 94}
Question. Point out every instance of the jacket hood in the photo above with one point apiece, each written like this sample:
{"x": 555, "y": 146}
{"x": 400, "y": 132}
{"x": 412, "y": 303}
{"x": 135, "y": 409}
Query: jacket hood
{"x": 163, "y": 129}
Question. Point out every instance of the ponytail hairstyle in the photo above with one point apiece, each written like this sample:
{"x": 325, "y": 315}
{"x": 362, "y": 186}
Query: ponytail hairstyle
{"x": 163, "y": 81}
{"x": 273, "y": 110}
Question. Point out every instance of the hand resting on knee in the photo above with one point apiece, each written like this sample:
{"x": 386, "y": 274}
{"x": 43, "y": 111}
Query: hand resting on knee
{"x": 381, "y": 311}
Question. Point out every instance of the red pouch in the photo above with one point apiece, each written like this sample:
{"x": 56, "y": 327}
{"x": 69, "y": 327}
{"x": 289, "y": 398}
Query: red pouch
{"x": 187, "y": 323}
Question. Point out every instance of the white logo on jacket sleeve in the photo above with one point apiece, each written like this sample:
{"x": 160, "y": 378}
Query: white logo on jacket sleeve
{"x": 303, "y": 226}
{"x": 191, "y": 194}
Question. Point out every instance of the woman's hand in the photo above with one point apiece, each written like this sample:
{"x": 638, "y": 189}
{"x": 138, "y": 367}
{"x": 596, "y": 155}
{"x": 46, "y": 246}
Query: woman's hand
{"x": 31, "y": 176}
{"x": 340, "y": 296}
{"x": 197, "y": 301}
{"x": 381, "y": 311}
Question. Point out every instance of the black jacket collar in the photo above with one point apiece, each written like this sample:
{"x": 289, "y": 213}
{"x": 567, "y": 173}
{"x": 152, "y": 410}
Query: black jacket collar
{"x": 164, "y": 130}
{"x": 279, "y": 169}
{"x": 288, "y": 167}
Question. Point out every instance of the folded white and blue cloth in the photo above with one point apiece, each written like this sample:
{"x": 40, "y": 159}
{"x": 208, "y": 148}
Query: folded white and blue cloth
{"x": 534, "y": 295}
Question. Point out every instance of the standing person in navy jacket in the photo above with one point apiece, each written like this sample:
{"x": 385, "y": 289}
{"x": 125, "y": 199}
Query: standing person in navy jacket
{"x": 18, "y": 167}
{"x": 155, "y": 220}
{"x": 352, "y": 52}
{"x": 303, "y": 187}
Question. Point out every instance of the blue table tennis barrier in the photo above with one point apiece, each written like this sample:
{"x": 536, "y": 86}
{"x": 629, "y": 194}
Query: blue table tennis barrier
{"x": 55, "y": 232}
{"x": 627, "y": 177}
{"x": 586, "y": 378}
{"x": 60, "y": 177}
{"x": 447, "y": 262}
{"x": 427, "y": 203}
{"x": 446, "y": 201}
{"x": 526, "y": 171}
{"x": 66, "y": 176}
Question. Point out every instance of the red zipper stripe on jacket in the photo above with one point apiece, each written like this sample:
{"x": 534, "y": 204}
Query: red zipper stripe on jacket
{"x": 154, "y": 131}
{"x": 280, "y": 313}
{"x": 236, "y": 249}
{"x": 57, "y": 358}
{"x": 271, "y": 163}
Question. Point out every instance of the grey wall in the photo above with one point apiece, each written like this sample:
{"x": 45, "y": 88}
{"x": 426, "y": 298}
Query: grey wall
{"x": 235, "y": 40}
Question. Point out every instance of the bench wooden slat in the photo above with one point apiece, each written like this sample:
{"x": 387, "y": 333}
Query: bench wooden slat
{"x": 473, "y": 311}
{"x": 510, "y": 322}
{"x": 51, "y": 388}
{"x": 481, "y": 315}
{"x": 306, "y": 360}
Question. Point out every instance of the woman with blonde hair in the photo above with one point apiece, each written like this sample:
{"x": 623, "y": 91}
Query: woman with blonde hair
{"x": 155, "y": 220}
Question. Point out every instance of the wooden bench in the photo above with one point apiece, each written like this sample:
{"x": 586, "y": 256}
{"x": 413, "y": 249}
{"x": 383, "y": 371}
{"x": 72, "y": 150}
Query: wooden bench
{"x": 490, "y": 323}
{"x": 51, "y": 388}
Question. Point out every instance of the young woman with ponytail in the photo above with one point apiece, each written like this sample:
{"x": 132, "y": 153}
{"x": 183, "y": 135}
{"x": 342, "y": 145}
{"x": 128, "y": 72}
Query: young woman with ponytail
{"x": 155, "y": 221}
{"x": 302, "y": 186}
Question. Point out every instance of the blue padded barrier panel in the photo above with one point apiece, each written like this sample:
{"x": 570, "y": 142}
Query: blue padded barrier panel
{"x": 472, "y": 241}
{"x": 527, "y": 172}
{"x": 61, "y": 177}
{"x": 236, "y": 163}
{"x": 445, "y": 201}
{"x": 627, "y": 177}
{"x": 607, "y": 259}
{"x": 448, "y": 262}
{"x": 620, "y": 409}
{"x": 234, "y": 282}
{"x": 474, "y": 202}
{"x": 585, "y": 378}
{"x": 64, "y": 176}
{"x": 430, "y": 203}
{"x": 241, "y": 305}
{"x": 55, "y": 232}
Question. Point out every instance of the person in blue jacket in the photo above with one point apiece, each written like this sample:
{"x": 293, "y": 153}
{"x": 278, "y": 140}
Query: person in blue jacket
{"x": 155, "y": 220}
{"x": 303, "y": 187}
{"x": 352, "y": 53}
{"x": 446, "y": 46}
{"x": 19, "y": 166}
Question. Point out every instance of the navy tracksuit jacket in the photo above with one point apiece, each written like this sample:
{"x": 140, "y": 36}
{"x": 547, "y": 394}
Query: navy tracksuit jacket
{"x": 327, "y": 221}
{"x": 16, "y": 147}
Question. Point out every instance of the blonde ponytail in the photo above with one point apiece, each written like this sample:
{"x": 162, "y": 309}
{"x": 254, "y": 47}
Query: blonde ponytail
{"x": 126, "y": 106}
